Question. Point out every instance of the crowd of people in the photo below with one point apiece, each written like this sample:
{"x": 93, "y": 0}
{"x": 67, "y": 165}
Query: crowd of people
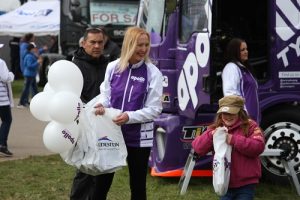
{"x": 106, "y": 71}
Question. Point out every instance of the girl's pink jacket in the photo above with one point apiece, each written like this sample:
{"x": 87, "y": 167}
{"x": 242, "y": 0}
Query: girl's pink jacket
{"x": 245, "y": 162}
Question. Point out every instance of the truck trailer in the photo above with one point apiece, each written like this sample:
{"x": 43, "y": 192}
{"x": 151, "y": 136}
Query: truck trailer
{"x": 188, "y": 40}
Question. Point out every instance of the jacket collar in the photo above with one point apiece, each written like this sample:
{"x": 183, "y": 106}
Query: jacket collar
{"x": 136, "y": 65}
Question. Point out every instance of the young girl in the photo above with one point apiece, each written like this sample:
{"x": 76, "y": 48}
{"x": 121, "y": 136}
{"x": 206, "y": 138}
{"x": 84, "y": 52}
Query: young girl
{"x": 247, "y": 142}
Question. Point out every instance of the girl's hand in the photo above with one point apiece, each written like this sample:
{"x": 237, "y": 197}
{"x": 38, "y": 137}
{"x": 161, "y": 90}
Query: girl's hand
{"x": 99, "y": 109}
{"x": 121, "y": 119}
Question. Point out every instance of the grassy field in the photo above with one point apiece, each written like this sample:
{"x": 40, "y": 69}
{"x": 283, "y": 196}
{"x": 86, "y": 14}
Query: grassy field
{"x": 49, "y": 178}
{"x": 17, "y": 87}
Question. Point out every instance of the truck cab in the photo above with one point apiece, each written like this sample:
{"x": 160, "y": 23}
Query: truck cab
{"x": 77, "y": 15}
{"x": 188, "y": 40}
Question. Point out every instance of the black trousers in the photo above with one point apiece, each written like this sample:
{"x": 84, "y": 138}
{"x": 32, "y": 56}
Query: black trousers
{"x": 88, "y": 187}
{"x": 6, "y": 118}
{"x": 138, "y": 159}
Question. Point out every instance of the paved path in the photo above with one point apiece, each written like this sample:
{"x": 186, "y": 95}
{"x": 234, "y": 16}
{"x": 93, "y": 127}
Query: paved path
{"x": 26, "y": 135}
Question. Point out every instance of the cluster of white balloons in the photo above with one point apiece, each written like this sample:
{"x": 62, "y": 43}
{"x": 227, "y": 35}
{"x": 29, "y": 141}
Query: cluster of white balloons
{"x": 60, "y": 104}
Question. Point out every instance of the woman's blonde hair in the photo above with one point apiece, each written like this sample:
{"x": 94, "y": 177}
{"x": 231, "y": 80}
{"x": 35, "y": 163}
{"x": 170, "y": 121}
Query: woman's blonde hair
{"x": 129, "y": 45}
{"x": 242, "y": 115}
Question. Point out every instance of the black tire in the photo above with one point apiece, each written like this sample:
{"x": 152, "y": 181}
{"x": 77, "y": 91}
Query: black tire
{"x": 281, "y": 129}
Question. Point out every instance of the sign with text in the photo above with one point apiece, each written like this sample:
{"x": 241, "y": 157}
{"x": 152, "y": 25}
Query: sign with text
{"x": 122, "y": 13}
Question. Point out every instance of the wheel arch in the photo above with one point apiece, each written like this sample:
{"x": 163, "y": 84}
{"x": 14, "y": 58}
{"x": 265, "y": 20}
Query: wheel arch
{"x": 274, "y": 102}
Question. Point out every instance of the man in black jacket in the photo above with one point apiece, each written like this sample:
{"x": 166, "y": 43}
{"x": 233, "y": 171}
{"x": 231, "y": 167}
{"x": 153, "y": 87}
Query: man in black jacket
{"x": 92, "y": 65}
{"x": 14, "y": 45}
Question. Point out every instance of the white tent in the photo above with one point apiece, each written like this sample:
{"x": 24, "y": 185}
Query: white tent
{"x": 7, "y": 6}
{"x": 38, "y": 17}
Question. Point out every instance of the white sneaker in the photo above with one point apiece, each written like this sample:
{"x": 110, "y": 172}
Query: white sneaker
{"x": 21, "y": 106}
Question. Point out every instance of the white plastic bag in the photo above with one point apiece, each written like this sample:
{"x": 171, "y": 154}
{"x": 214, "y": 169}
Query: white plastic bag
{"x": 100, "y": 147}
{"x": 221, "y": 162}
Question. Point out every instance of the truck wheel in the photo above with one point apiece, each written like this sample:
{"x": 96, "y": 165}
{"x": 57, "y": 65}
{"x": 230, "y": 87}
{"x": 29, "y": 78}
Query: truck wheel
{"x": 281, "y": 129}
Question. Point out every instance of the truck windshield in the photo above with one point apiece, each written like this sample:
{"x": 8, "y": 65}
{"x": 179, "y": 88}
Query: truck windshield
{"x": 113, "y": 12}
{"x": 193, "y": 17}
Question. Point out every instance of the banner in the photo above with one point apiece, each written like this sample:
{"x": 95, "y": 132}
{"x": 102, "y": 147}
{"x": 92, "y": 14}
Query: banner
{"x": 38, "y": 17}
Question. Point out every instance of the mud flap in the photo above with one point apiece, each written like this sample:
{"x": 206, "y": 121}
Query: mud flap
{"x": 187, "y": 172}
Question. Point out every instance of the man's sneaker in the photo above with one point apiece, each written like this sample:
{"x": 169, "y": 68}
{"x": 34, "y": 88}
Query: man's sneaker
{"x": 4, "y": 152}
{"x": 20, "y": 106}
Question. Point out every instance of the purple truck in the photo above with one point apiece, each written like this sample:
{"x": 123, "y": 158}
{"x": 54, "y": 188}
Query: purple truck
{"x": 188, "y": 38}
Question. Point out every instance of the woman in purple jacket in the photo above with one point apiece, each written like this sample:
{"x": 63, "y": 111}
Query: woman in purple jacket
{"x": 134, "y": 85}
{"x": 237, "y": 78}
{"x": 247, "y": 141}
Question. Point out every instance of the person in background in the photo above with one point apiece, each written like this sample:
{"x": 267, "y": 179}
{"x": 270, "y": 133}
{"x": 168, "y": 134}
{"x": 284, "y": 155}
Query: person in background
{"x": 237, "y": 78}
{"x": 25, "y": 41}
{"x": 247, "y": 141}
{"x": 32, "y": 61}
{"x": 53, "y": 44}
{"x": 134, "y": 85}
{"x": 111, "y": 50}
{"x": 92, "y": 65}
{"x": 14, "y": 45}
{"x": 6, "y": 102}
{"x": 80, "y": 41}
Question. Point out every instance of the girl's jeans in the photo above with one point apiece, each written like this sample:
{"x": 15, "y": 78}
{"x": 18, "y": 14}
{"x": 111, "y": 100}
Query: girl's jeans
{"x": 242, "y": 193}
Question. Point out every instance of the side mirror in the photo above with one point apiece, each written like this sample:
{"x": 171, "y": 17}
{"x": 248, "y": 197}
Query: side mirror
{"x": 75, "y": 10}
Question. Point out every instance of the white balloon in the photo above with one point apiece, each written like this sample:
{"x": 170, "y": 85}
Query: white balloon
{"x": 59, "y": 138}
{"x": 65, "y": 107}
{"x": 47, "y": 88}
{"x": 65, "y": 75}
{"x": 39, "y": 105}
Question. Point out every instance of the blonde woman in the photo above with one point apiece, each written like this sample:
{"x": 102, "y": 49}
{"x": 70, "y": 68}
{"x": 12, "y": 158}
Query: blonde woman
{"x": 134, "y": 85}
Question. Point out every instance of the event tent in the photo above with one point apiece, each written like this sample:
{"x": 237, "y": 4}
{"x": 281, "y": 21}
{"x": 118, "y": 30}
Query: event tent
{"x": 7, "y": 6}
{"x": 38, "y": 17}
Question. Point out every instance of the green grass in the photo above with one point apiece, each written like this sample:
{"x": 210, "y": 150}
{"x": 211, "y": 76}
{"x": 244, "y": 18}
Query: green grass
{"x": 17, "y": 87}
{"x": 49, "y": 178}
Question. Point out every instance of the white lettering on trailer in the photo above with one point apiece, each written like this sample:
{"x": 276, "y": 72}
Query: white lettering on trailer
{"x": 165, "y": 81}
{"x": 202, "y": 49}
{"x": 283, "y": 53}
{"x": 291, "y": 13}
{"x": 188, "y": 78}
{"x": 187, "y": 82}
{"x": 284, "y": 31}
{"x": 295, "y": 74}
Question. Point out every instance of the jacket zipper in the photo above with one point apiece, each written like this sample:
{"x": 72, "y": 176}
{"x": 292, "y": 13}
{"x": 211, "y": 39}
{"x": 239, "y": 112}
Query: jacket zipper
{"x": 126, "y": 86}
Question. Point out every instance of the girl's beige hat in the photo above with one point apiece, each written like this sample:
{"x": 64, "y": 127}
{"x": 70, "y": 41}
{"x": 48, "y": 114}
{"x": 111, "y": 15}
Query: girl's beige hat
{"x": 231, "y": 104}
